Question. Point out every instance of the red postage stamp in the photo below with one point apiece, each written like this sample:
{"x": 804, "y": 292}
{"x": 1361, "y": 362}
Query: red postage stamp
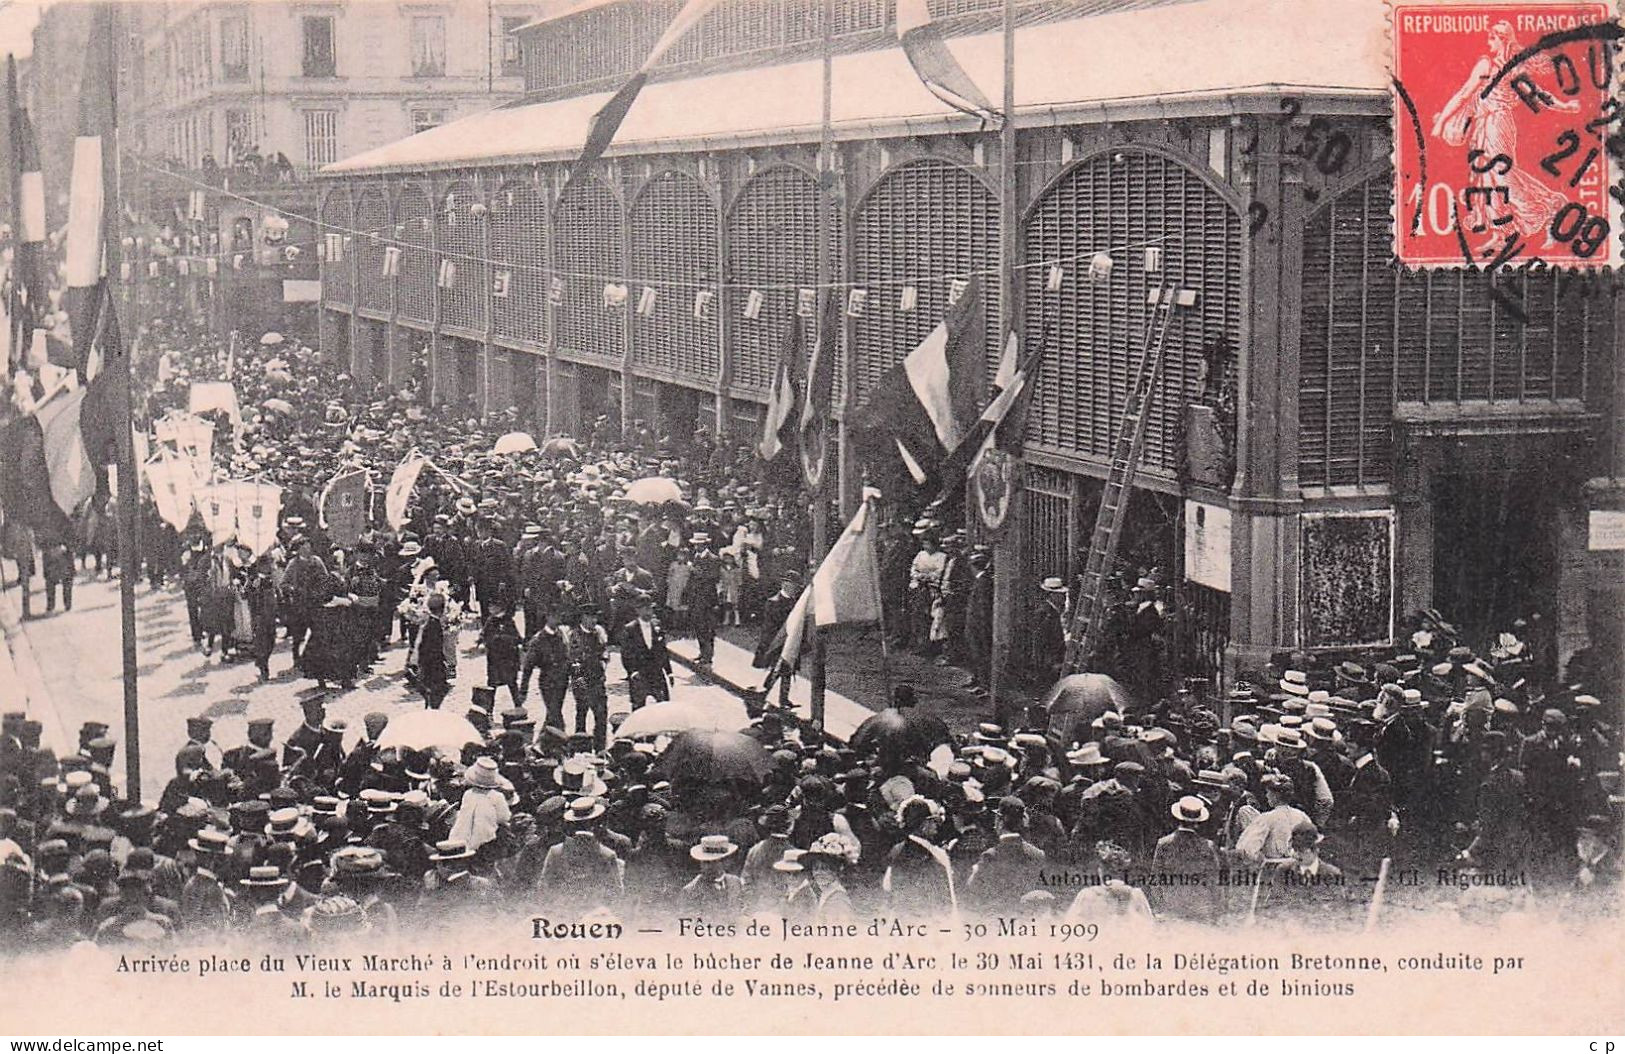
{"x": 1509, "y": 134}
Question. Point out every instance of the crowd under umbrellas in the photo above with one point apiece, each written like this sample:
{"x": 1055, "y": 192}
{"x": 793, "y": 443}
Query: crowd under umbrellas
{"x": 574, "y": 560}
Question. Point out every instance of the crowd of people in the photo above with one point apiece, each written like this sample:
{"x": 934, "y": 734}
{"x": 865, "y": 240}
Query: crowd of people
{"x": 1277, "y": 801}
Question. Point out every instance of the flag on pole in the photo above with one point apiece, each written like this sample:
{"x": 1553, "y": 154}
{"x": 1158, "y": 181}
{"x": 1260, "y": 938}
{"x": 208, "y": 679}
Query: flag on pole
{"x": 924, "y": 407}
{"x": 93, "y": 173}
{"x": 608, "y": 119}
{"x": 783, "y": 406}
{"x": 845, "y": 589}
{"x": 935, "y": 65}
{"x": 399, "y": 490}
{"x": 812, "y": 430}
{"x": 73, "y": 477}
{"x": 29, "y": 291}
{"x": 994, "y": 471}
{"x": 259, "y": 506}
{"x": 343, "y": 507}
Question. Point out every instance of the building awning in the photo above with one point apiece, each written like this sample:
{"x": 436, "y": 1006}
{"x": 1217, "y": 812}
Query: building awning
{"x": 1161, "y": 62}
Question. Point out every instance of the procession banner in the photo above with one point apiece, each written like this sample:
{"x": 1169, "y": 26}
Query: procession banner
{"x": 399, "y": 491}
{"x": 195, "y": 436}
{"x": 259, "y": 506}
{"x": 205, "y": 396}
{"x": 343, "y": 507}
{"x": 217, "y": 503}
{"x": 172, "y": 489}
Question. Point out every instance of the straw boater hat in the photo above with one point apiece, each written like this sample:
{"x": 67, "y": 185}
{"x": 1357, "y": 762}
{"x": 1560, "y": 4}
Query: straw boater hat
{"x": 1088, "y": 755}
{"x": 1295, "y": 682}
{"x": 1189, "y": 809}
{"x": 1053, "y": 584}
{"x": 714, "y": 847}
{"x": 583, "y": 810}
{"x": 451, "y": 849}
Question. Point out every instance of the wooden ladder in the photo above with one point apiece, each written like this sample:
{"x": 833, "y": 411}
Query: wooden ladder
{"x": 1089, "y": 606}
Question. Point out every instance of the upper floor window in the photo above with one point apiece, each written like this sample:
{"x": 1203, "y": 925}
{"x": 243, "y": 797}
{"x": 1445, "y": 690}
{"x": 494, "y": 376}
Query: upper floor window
{"x": 428, "y": 46}
{"x": 234, "y": 48}
{"x": 513, "y": 59}
{"x": 320, "y": 56}
{"x": 427, "y": 117}
{"x": 321, "y": 137}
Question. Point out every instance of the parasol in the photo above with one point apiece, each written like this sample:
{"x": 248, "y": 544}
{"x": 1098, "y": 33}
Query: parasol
{"x": 715, "y": 757}
{"x": 282, "y": 378}
{"x": 1078, "y": 698}
{"x": 685, "y": 715}
{"x": 271, "y": 340}
{"x": 423, "y": 729}
{"x": 653, "y": 490}
{"x": 908, "y": 733}
{"x": 277, "y": 406}
{"x": 514, "y": 443}
{"x": 562, "y": 446}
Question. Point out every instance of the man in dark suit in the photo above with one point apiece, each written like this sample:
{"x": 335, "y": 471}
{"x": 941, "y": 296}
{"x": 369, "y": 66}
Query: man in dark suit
{"x": 644, "y": 655}
{"x": 547, "y": 654}
{"x": 703, "y": 581}
{"x": 1186, "y": 867}
{"x": 1306, "y": 889}
{"x": 1010, "y": 867}
{"x": 259, "y": 738}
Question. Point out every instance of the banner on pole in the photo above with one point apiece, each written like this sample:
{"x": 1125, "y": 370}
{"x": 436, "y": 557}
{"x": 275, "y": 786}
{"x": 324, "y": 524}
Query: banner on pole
{"x": 399, "y": 491}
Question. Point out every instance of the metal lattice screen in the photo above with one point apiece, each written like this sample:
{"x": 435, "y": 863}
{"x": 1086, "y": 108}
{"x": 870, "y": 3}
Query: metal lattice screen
{"x": 589, "y": 251}
{"x": 373, "y": 229}
{"x": 772, "y": 243}
{"x": 414, "y": 234}
{"x": 674, "y": 252}
{"x": 462, "y": 242}
{"x": 1455, "y": 340}
{"x": 519, "y": 245}
{"x": 924, "y": 221}
{"x": 1124, "y": 203}
{"x": 1048, "y": 498}
{"x": 334, "y": 224}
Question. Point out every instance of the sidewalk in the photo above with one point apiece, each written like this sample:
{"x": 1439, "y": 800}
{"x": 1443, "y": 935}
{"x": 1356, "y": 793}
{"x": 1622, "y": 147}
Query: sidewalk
{"x": 22, "y": 686}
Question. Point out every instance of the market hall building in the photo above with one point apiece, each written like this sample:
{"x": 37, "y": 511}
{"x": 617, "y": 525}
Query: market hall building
{"x": 1334, "y": 442}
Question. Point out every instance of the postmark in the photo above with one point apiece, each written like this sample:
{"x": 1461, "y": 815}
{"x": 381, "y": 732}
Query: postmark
{"x": 1509, "y": 134}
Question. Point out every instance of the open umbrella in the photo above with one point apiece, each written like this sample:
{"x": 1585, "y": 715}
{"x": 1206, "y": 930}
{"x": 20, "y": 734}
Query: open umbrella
{"x": 277, "y": 406}
{"x": 727, "y": 715}
{"x": 276, "y": 364}
{"x": 561, "y": 446}
{"x": 423, "y": 729}
{"x": 271, "y": 340}
{"x": 653, "y": 490}
{"x": 908, "y": 733}
{"x": 281, "y": 378}
{"x": 1079, "y": 698}
{"x": 715, "y": 757}
{"x": 514, "y": 443}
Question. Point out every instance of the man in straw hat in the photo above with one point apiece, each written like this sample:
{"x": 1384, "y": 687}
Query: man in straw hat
{"x": 715, "y": 892}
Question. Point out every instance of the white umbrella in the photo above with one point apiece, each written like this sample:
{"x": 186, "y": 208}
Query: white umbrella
{"x": 653, "y": 490}
{"x": 276, "y": 364}
{"x": 718, "y": 715}
{"x": 514, "y": 443}
{"x": 271, "y": 340}
{"x": 422, "y": 729}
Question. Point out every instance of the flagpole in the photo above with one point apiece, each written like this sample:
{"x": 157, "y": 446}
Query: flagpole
{"x": 1007, "y": 559}
{"x": 119, "y": 364}
{"x": 826, "y": 188}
